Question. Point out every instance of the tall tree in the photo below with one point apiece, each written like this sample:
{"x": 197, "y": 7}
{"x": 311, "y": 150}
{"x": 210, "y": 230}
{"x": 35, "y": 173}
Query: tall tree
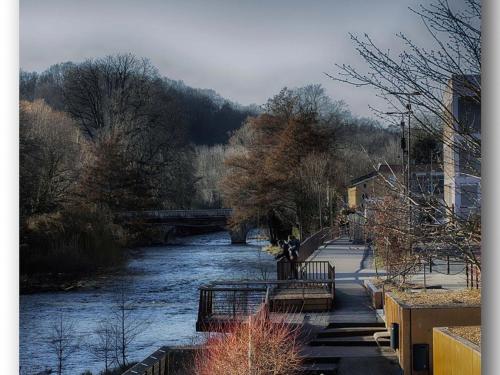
{"x": 51, "y": 155}
{"x": 263, "y": 177}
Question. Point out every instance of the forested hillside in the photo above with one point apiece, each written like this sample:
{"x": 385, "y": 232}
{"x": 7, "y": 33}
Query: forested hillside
{"x": 203, "y": 115}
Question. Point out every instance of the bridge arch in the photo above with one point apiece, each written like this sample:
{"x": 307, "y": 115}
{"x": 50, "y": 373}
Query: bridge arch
{"x": 173, "y": 222}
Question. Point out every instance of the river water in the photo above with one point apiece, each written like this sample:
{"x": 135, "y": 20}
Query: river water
{"x": 162, "y": 285}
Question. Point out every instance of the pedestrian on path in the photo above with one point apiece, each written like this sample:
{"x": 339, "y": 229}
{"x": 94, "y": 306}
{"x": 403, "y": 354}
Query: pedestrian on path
{"x": 294, "y": 245}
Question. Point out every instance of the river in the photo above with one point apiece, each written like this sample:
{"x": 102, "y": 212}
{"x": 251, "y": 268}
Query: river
{"x": 162, "y": 285}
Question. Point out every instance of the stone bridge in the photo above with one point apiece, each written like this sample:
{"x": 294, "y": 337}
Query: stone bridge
{"x": 188, "y": 222}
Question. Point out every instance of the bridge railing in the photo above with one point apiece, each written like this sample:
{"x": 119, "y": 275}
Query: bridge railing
{"x": 220, "y": 212}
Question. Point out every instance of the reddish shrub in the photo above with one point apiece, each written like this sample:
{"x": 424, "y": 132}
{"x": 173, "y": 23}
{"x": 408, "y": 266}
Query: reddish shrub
{"x": 255, "y": 347}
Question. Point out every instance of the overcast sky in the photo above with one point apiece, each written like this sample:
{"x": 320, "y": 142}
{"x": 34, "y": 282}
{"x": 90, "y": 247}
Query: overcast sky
{"x": 245, "y": 50}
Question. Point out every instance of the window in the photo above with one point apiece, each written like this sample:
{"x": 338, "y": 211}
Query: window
{"x": 469, "y": 115}
{"x": 469, "y": 164}
{"x": 469, "y": 196}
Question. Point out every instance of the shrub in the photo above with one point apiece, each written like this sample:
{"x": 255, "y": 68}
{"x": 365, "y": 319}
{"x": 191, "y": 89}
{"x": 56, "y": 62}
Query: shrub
{"x": 75, "y": 239}
{"x": 257, "y": 346}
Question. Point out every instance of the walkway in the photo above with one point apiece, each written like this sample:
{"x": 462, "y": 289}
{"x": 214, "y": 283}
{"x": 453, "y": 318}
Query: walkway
{"x": 345, "y": 344}
{"x": 352, "y": 265}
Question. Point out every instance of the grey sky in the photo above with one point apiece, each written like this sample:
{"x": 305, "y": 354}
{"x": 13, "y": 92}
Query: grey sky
{"x": 245, "y": 50}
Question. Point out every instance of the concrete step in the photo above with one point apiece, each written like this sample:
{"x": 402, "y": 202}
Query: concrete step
{"x": 319, "y": 369}
{"x": 349, "y": 331}
{"x": 332, "y": 354}
{"x": 349, "y": 341}
{"x": 355, "y": 324}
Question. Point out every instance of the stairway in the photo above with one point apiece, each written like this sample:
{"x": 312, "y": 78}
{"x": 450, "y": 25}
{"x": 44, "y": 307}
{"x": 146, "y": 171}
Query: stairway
{"x": 349, "y": 348}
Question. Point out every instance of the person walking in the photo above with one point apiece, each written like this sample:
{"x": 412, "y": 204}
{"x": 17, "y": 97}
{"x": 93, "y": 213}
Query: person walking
{"x": 294, "y": 247}
{"x": 285, "y": 253}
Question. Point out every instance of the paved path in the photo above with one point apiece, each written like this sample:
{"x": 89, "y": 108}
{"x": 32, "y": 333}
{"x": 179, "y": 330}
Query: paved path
{"x": 352, "y": 316}
{"x": 352, "y": 266}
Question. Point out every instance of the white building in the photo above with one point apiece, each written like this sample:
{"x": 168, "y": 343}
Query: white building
{"x": 461, "y": 154}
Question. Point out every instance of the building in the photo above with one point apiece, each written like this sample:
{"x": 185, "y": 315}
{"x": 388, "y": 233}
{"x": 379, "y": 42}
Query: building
{"x": 426, "y": 179}
{"x": 461, "y": 145}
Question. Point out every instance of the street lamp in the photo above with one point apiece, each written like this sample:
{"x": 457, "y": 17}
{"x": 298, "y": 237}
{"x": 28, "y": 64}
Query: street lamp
{"x": 409, "y": 113}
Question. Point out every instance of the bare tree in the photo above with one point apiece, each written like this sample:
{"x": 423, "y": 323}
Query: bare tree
{"x": 63, "y": 341}
{"x": 209, "y": 172}
{"x": 102, "y": 348}
{"x": 51, "y": 156}
{"x": 453, "y": 65}
{"x": 125, "y": 328}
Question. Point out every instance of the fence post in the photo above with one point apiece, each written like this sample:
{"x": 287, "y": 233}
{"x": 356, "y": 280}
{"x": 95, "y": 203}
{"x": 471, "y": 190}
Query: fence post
{"x": 234, "y": 304}
{"x": 448, "y": 264}
{"x": 477, "y": 278}
{"x": 467, "y": 273}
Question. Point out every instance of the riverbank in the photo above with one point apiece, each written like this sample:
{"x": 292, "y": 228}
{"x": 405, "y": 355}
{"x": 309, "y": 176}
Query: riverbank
{"x": 61, "y": 282}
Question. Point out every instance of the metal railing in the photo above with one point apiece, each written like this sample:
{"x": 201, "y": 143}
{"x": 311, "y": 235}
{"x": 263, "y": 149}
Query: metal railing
{"x": 232, "y": 301}
{"x": 221, "y": 212}
{"x": 306, "y": 270}
{"x": 473, "y": 275}
{"x": 166, "y": 361}
{"x": 312, "y": 243}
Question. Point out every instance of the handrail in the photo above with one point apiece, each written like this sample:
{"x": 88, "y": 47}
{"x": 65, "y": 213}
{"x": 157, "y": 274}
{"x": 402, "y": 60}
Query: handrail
{"x": 259, "y": 282}
{"x": 305, "y": 270}
{"x": 312, "y": 243}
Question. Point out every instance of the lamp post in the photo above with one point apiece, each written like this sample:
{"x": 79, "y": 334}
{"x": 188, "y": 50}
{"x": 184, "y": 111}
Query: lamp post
{"x": 404, "y": 149}
{"x": 408, "y": 171}
{"x": 409, "y": 113}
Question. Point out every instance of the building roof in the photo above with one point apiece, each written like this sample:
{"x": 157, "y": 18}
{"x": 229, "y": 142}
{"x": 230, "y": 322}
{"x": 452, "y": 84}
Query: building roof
{"x": 364, "y": 178}
{"x": 395, "y": 168}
